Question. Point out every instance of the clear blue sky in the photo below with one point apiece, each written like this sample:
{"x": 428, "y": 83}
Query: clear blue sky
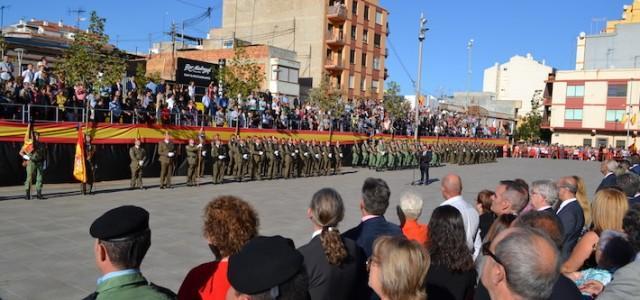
{"x": 545, "y": 28}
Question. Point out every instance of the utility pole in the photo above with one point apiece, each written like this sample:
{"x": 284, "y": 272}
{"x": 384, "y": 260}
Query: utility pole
{"x": 78, "y": 12}
{"x": 421, "y": 35}
{"x": 2, "y": 8}
{"x": 469, "y": 71}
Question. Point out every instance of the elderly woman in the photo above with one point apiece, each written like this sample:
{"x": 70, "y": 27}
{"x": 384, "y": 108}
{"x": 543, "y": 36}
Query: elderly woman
{"x": 409, "y": 211}
{"x": 229, "y": 223}
{"x": 397, "y": 268}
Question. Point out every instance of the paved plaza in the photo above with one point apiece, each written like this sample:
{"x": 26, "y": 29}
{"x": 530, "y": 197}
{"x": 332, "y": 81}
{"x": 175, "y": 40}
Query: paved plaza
{"x": 46, "y": 251}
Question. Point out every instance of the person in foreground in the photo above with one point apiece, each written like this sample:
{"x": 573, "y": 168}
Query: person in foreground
{"x": 335, "y": 265}
{"x": 122, "y": 240}
{"x": 267, "y": 268}
{"x": 229, "y": 223}
{"x": 522, "y": 263}
{"x": 409, "y": 211}
{"x": 452, "y": 274}
{"x": 375, "y": 201}
{"x": 397, "y": 268}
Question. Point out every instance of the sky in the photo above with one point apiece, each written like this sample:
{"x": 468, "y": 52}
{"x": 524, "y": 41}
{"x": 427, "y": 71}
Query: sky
{"x": 500, "y": 29}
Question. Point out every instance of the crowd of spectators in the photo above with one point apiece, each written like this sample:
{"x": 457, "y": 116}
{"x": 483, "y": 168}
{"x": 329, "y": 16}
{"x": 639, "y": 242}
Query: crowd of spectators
{"x": 538, "y": 240}
{"x": 542, "y": 150}
{"x": 42, "y": 96}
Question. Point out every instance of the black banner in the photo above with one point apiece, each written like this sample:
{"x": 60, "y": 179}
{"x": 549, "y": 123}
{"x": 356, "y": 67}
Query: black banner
{"x": 200, "y": 72}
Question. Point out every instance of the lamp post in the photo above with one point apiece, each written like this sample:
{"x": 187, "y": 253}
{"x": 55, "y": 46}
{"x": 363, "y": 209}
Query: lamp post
{"x": 469, "y": 71}
{"x": 421, "y": 35}
{"x": 19, "y": 54}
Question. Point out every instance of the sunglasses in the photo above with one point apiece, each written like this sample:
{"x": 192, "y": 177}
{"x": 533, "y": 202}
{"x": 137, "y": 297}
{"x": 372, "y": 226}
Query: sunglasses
{"x": 487, "y": 252}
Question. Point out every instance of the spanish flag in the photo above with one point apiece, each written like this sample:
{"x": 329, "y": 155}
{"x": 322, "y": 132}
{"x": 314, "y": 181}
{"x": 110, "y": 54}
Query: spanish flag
{"x": 79, "y": 169}
{"x": 27, "y": 146}
{"x": 634, "y": 118}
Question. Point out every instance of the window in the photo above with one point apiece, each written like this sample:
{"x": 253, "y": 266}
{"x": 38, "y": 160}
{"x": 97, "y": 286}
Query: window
{"x": 365, "y": 35}
{"x": 378, "y": 18}
{"x": 285, "y": 74}
{"x": 352, "y": 56}
{"x": 374, "y": 85}
{"x": 617, "y": 90}
{"x": 352, "y": 81}
{"x": 376, "y": 40}
{"x": 615, "y": 115}
{"x": 293, "y": 75}
{"x": 366, "y": 12}
{"x": 353, "y": 32}
{"x": 573, "y": 114}
{"x": 227, "y": 44}
{"x": 587, "y": 142}
{"x": 354, "y": 7}
{"x": 575, "y": 91}
{"x": 364, "y": 60}
{"x": 363, "y": 84}
{"x": 620, "y": 144}
{"x": 376, "y": 63}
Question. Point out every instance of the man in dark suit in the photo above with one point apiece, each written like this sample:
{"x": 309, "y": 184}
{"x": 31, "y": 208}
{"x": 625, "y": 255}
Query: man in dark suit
{"x": 374, "y": 203}
{"x": 570, "y": 214}
{"x": 629, "y": 183}
{"x": 544, "y": 196}
{"x": 425, "y": 159}
{"x": 635, "y": 164}
{"x": 607, "y": 168}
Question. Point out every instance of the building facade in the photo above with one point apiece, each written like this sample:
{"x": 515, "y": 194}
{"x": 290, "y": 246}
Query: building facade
{"x": 518, "y": 79}
{"x": 280, "y": 66}
{"x": 343, "y": 39}
{"x": 597, "y": 104}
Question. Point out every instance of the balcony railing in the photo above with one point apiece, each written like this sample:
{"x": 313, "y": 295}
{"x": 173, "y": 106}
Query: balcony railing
{"x": 335, "y": 39}
{"x": 334, "y": 64}
{"x": 337, "y": 13}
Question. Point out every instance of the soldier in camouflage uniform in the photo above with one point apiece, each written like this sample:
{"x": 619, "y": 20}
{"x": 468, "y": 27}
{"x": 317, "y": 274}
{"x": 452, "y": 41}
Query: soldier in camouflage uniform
{"x": 192, "y": 160}
{"x": 355, "y": 154}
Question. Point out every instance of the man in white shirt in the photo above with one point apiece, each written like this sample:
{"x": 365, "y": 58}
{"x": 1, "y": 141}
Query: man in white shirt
{"x": 451, "y": 189}
{"x": 28, "y": 74}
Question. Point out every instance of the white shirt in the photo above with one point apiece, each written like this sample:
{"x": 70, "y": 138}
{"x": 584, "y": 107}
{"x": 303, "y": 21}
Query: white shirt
{"x": 544, "y": 207}
{"x": 315, "y": 233}
{"x": 565, "y": 203}
{"x": 469, "y": 217}
{"x": 28, "y": 76}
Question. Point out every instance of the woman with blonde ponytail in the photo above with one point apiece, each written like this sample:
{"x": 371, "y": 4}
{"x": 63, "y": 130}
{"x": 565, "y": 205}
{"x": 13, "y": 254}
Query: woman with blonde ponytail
{"x": 335, "y": 265}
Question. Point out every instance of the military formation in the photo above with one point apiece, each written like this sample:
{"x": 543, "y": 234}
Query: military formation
{"x": 384, "y": 155}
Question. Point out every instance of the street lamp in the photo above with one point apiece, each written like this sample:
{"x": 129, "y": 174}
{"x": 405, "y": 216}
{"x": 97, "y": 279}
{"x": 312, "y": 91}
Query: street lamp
{"x": 469, "y": 71}
{"x": 421, "y": 36}
{"x": 19, "y": 53}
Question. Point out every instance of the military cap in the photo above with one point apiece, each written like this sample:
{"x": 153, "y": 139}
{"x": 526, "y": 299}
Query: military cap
{"x": 263, "y": 263}
{"x": 120, "y": 222}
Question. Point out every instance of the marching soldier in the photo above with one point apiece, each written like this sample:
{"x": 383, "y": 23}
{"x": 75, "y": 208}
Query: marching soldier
{"x": 326, "y": 156}
{"x": 372, "y": 154}
{"x": 232, "y": 150}
{"x": 166, "y": 153}
{"x": 337, "y": 153}
{"x": 278, "y": 145}
{"x": 219, "y": 156}
{"x": 89, "y": 152}
{"x": 34, "y": 162}
{"x": 288, "y": 155}
{"x": 381, "y": 158}
{"x": 364, "y": 150}
{"x": 303, "y": 159}
{"x": 270, "y": 154}
{"x": 355, "y": 154}
{"x": 137, "y": 155}
{"x": 242, "y": 160}
{"x": 193, "y": 152}
{"x": 257, "y": 153}
{"x": 202, "y": 157}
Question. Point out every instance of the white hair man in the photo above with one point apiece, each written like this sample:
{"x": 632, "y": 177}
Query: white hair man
{"x": 522, "y": 263}
{"x": 409, "y": 211}
{"x": 544, "y": 195}
{"x": 607, "y": 168}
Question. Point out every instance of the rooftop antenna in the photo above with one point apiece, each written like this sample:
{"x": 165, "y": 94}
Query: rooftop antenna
{"x": 78, "y": 12}
{"x": 2, "y": 8}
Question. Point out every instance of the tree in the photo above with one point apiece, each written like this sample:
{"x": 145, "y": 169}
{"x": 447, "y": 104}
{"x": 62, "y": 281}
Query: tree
{"x": 142, "y": 77}
{"x": 327, "y": 98}
{"x": 529, "y": 128}
{"x": 241, "y": 75}
{"x": 394, "y": 105}
{"x": 90, "y": 59}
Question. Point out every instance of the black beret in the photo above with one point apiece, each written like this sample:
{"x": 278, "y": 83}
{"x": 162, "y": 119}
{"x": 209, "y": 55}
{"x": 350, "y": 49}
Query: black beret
{"x": 120, "y": 222}
{"x": 263, "y": 263}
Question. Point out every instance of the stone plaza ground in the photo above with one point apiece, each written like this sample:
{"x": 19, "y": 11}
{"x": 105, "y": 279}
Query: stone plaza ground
{"x": 46, "y": 251}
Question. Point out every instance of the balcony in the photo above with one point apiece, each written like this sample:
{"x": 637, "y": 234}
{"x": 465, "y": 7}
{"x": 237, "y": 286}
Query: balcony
{"x": 334, "y": 64}
{"x": 335, "y": 39}
{"x": 337, "y": 14}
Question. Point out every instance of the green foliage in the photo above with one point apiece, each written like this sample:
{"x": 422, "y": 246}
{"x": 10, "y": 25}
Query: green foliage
{"x": 241, "y": 74}
{"x": 327, "y": 98}
{"x": 529, "y": 128}
{"x": 90, "y": 59}
{"x": 394, "y": 104}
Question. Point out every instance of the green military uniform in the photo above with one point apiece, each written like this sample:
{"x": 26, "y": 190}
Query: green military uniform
{"x": 364, "y": 149}
{"x": 303, "y": 159}
{"x": 355, "y": 154}
{"x": 338, "y": 156}
{"x": 381, "y": 155}
{"x": 270, "y": 161}
{"x": 372, "y": 155}
{"x": 242, "y": 157}
{"x": 35, "y": 164}
{"x": 289, "y": 156}
{"x": 325, "y": 160}
{"x": 130, "y": 287}
{"x": 166, "y": 153}
{"x": 137, "y": 155}
{"x": 219, "y": 156}
{"x": 257, "y": 156}
{"x": 193, "y": 152}
{"x": 233, "y": 149}
{"x": 89, "y": 164}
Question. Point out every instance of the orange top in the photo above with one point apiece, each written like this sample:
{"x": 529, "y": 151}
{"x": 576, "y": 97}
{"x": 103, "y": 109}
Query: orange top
{"x": 416, "y": 231}
{"x": 206, "y": 281}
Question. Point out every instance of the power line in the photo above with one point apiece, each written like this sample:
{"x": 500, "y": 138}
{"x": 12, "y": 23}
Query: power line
{"x": 395, "y": 53}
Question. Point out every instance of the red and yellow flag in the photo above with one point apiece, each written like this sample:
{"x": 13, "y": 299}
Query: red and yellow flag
{"x": 79, "y": 170}
{"x": 27, "y": 146}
